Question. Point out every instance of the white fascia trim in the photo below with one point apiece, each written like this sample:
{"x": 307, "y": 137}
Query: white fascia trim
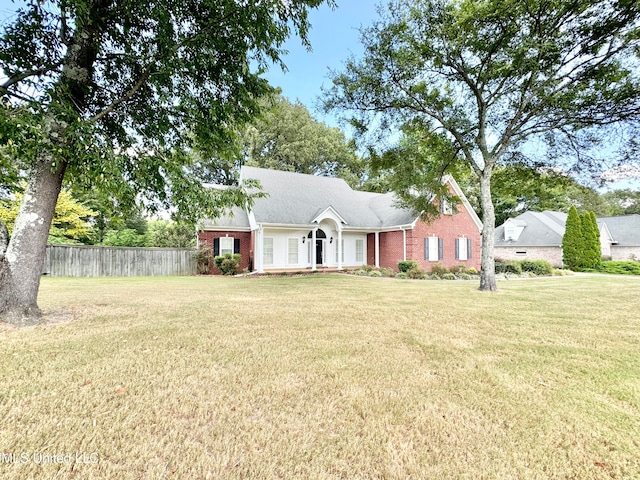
{"x": 397, "y": 228}
{"x": 253, "y": 225}
{"x": 324, "y": 215}
{"x": 608, "y": 232}
{"x": 527, "y": 246}
{"x": 286, "y": 226}
{"x": 225, "y": 229}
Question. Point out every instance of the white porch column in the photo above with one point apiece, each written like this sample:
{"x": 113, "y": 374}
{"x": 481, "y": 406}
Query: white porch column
{"x": 339, "y": 249}
{"x": 404, "y": 244}
{"x": 377, "y": 242}
{"x": 259, "y": 247}
{"x": 313, "y": 249}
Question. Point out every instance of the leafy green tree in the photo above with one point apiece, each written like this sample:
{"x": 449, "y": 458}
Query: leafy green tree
{"x": 490, "y": 76}
{"x": 592, "y": 253}
{"x": 284, "y": 137}
{"x": 104, "y": 91}
{"x": 623, "y": 202}
{"x": 72, "y": 221}
{"x": 166, "y": 233}
{"x": 519, "y": 187}
{"x": 573, "y": 241}
{"x": 127, "y": 237}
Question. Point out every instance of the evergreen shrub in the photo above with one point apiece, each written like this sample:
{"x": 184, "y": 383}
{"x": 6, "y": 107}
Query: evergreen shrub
{"x": 406, "y": 265}
{"x": 439, "y": 270}
{"x": 537, "y": 267}
{"x": 513, "y": 266}
{"x": 228, "y": 263}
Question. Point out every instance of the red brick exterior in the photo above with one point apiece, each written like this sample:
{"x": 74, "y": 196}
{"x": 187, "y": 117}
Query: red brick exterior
{"x": 447, "y": 227}
{"x": 246, "y": 247}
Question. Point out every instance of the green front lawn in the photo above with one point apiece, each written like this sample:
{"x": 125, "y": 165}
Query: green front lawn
{"x": 325, "y": 376}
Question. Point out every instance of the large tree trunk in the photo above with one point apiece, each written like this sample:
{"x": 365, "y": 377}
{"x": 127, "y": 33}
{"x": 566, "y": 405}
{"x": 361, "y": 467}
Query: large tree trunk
{"x": 488, "y": 272}
{"x": 21, "y": 266}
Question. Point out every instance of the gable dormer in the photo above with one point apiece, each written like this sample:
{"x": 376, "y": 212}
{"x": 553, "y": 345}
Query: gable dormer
{"x": 513, "y": 229}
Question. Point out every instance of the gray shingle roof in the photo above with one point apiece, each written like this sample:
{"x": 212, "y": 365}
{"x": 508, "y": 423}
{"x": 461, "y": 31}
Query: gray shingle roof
{"x": 547, "y": 228}
{"x": 296, "y": 199}
{"x": 237, "y": 219}
{"x": 542, "y": 229}
{"x": 624, "y": 229}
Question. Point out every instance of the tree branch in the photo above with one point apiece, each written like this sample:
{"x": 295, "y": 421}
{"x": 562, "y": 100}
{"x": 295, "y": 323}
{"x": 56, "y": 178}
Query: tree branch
{"x": 18, "y": 77}
{"x": 132, "y": 91}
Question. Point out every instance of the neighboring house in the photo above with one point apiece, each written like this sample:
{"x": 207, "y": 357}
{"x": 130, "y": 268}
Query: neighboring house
{"x": 538, "y": 235}
{"x": 312, "y": 222}
{"x": 624, "y": 237}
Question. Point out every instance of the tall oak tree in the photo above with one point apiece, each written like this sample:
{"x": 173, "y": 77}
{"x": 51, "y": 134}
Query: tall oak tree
{"x": 103, "y": 91}
{"x": 491, "y": 75}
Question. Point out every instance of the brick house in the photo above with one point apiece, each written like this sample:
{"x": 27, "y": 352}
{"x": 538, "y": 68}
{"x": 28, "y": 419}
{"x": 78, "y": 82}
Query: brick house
{"x": 312, "y": 222}
{"x": 538, "y": 236}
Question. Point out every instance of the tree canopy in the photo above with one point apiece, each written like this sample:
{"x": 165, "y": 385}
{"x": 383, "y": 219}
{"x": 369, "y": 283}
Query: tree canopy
{"x": 116, "y": 94}
{"x": 72, "y": 221}
{"x": 285, "y": 136}
{"x": 493, "y": 76}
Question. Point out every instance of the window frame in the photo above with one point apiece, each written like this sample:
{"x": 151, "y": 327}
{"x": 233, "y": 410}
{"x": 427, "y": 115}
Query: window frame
{"x": 359, "y": 251}
{"x": 226, "y": 249}
{"x": 293, "y": 241}
{"x": 264, "y": 250}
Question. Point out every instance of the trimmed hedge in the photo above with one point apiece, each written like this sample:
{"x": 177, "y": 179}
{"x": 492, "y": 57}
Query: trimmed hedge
{"x": 228, "y": 263}
{"x": 538, "y": 267}
{"x": 406, "y": 265}
{"x": 535, "y": 267}
{"x": 619, "y": 267}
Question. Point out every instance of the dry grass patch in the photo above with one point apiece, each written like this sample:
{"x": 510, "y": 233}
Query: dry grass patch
{"x": 325, "y": 377}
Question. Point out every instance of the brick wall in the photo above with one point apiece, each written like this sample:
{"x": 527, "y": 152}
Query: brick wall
{"x": 391, "y": 249}
{"x": 447, "y": 227}
{"x": 553, "y": 255}
{"x": 246, "y": 246}
{"x": 624, "y": 253}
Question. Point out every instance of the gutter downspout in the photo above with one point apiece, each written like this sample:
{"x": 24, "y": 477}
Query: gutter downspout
{"x": 404, "y": 244}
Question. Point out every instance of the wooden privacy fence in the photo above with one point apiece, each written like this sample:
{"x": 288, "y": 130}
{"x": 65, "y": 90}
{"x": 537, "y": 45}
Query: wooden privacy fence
{"x": 101, "y": 261}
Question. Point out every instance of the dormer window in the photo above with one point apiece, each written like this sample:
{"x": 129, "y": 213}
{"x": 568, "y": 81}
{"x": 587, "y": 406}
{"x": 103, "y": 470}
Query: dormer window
{"x": 445, "y": 207}
{"x": 513, "y": 229}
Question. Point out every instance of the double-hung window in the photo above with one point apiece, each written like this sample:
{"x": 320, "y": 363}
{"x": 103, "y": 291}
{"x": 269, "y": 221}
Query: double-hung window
{"x": 267, "y": 254}
{"x": 226, "y": 245}
{"x": 463, "y": 248}
{"x": 433, "y": 249}
{"x": 293, "y": 251}
{"x": 359, "y": 250}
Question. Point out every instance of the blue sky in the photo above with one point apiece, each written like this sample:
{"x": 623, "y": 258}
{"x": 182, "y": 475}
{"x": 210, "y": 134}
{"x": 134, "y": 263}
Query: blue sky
{"x": 334, "y": 36}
